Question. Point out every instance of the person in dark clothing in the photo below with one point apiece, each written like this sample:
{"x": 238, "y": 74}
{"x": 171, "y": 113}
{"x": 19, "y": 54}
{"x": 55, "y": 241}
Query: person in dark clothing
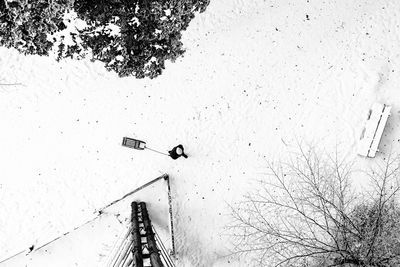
{"x": 177, "y": 152}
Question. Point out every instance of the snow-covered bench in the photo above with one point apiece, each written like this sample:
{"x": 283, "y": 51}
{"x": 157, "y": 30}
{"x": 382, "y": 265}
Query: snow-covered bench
{"x": 373, "y": 130}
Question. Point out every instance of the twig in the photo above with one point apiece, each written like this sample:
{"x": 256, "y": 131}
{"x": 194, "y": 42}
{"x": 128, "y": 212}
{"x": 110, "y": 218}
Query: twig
{"x": 11, "y": 84}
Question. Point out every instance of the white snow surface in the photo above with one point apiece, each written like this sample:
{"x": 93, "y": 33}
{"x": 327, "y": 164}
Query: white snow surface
{"x": 257, "y": 76}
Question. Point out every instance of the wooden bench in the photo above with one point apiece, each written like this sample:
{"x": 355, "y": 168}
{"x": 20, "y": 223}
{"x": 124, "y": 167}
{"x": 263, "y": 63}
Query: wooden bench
{"x": 373, "y": 130}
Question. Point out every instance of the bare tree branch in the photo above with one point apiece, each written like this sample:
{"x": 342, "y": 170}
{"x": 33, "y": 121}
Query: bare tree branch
{"x": 307, "y": 214}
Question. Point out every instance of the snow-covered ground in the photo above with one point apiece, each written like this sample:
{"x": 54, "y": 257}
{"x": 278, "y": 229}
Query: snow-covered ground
{"x": 257, "y": 76}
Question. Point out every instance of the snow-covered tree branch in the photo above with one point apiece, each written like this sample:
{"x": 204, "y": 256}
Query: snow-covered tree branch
{"x": 130, "y": 37}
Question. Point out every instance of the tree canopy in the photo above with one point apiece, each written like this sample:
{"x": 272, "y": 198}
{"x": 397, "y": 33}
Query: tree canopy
{"x": 25, "y": 25}
{"x": 131, "y": 37}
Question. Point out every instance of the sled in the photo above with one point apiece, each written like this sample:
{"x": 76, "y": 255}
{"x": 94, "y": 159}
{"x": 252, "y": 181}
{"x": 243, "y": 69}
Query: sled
{"x": 133, "y": 143}
{"x": 373, "y": 130}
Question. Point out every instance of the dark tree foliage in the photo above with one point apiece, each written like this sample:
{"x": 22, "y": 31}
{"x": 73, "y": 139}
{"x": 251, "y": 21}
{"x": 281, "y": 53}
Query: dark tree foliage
{"x": 149, "y": 35}
{"x": 2, "y": 6}
{"x": 25, "y": 24}
{"x": 378, "y": 242}
{"x": 149, "y": 30}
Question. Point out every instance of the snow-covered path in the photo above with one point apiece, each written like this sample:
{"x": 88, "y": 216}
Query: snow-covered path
{"x": 255, "y": 77}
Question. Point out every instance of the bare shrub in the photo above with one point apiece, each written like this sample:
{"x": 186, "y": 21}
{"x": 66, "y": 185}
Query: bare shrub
{"x": 307, "y": 214}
